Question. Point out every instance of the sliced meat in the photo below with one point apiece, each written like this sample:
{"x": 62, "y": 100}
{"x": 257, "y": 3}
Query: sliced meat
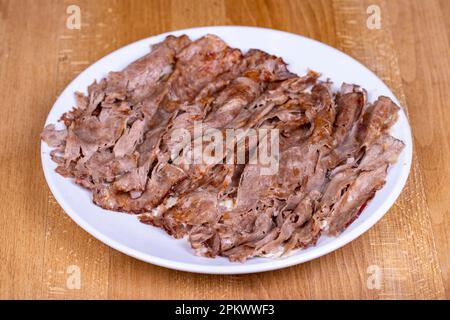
{"x": 53, "y": 137}
{"x": 378, "y": 119}
{"x": 346, "y": 209}
{"x": 129, "y": 140}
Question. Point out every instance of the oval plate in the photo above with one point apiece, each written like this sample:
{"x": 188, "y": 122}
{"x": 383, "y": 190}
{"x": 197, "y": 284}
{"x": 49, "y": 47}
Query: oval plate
{"x": 125, "y": 233}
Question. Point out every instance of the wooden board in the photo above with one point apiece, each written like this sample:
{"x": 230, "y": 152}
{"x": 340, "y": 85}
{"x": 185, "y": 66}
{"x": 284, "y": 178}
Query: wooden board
{"x": 405, "y": 256}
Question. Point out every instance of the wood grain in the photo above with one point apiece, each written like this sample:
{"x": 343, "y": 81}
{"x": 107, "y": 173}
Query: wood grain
{"x": 39, "y": 243}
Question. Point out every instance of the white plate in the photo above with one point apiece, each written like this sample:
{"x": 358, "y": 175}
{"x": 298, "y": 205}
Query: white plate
{"x": 125, "y": 233}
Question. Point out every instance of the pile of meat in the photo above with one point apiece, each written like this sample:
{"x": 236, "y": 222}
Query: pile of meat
{"x": 334, "y": 148}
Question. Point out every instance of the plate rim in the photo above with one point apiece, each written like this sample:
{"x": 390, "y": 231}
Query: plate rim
{"x": 243, "y": 268}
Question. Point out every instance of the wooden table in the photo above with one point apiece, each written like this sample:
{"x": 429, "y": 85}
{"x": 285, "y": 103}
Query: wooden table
{"x": 406, "y": 255}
